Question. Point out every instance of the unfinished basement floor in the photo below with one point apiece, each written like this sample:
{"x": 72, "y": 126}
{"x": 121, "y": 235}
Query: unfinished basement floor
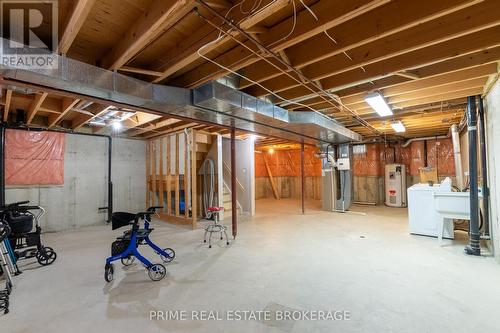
{"x": 369, "y": 265}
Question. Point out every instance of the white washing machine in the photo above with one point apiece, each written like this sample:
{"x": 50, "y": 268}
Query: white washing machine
{"x": 421, "y": 213}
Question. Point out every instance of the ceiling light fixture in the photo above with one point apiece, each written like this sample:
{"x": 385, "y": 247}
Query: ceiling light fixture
{"x": 378, "y": 103}
{"x": 398, "y": 126}
{"x": 117, "y": 125}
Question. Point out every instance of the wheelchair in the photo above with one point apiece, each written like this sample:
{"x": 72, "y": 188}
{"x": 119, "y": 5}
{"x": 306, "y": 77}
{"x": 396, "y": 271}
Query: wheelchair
{"x": 125, "y": 248}
{"x": 26, "y": 242}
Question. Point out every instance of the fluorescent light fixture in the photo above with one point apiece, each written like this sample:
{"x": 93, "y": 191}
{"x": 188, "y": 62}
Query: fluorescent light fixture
{"x": 378, "y": 103}
{"x": 398, "y": 126}
{"x": 116, "y": 125}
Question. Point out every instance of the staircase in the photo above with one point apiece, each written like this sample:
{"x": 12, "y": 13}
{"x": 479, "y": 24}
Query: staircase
{"x": 227, "y": 202}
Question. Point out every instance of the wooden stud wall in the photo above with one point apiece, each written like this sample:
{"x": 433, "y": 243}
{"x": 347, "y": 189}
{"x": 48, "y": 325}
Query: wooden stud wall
{"x": 165, "y": 183}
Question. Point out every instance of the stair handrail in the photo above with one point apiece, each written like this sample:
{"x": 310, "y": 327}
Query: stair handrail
{"x": 228, "y": 169}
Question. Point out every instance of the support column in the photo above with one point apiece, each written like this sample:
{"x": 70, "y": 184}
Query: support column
{"x": 234, "y": 216}
{"x": 2, "y": 165}
{"x": 302, "y": 177}
{"x": 473, "y": 248}
{"x": 484, "y": 169}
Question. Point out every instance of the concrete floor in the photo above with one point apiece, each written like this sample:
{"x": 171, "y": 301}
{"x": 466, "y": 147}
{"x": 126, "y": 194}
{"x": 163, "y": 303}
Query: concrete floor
{"x": 369, "y": 265}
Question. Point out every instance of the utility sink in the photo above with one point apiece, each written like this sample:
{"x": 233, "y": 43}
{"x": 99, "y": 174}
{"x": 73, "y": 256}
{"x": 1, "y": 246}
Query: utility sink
{"x": 451, "y": 205}
{"x": 455, "y": 205}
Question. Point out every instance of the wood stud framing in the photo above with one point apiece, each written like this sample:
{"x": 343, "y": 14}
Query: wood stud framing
{"x": 165, "y": 185}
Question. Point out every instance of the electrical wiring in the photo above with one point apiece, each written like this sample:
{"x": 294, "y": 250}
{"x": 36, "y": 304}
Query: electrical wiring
{"x": 303, "y": 79}
{"x": 293, "y": 26}
{"x": 248, "y": 79}
{"x": 224, "y": 33}
{"x": 334, "y": 101}
{"x": 326, "y": 32}
{"x": 255, "y": 5}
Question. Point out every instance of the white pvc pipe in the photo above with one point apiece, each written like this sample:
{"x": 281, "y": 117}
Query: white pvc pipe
{"x": 422, "y": 139}
{"x": 455, "y": 137}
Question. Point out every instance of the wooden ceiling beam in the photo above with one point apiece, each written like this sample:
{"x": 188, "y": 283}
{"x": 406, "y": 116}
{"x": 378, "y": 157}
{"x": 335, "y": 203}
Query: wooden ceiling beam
{"x": 129, "y": 69}
{"x": 258, "y": 29}
{"x": 438, "y": 98}
{"x": 412, "y": 86}
{"x": 97, "y": 110}
{"x": 139, "y": 119}
{"x": 389, "y": 19}
{"x": 330, "y": 13}
{"x": 470, "y": 23}
{"x": 477, "y": 48}
{"x": 153, "y": 126}
{"x": 187, "y": 51}
{"x": 408, "y": 75}
{"x": 432, "y": 95}
{"x": 219, "y": 4}
{"x": 159, "y": 17}
{"x": 172, "y": 130}
{"x": 401, "y": 115}
{"x": 35, "y": 106}
{"x": 6, "y": 108}
{"x": 66, "y": 105}
{"x": 445, "y": 82}
{"x": 81, "y": 10}
{"x": 364, "y": 84}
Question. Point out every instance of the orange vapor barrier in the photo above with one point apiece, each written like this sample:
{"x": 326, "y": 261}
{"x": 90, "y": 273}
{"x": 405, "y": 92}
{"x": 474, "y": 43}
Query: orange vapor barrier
{"x": 441, "y": 156}
{"x": 417, "y": 157}
{"x": 368, "y": 163}
{"x": 286, "y": 163}
{"x": 372, "y": 162}
{"x": 34, "y": 158}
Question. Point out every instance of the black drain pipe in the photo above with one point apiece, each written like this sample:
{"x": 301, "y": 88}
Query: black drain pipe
{"x": 2, "y": 157}
{"x": 473, "y": 248}
{"x": 484, "y": 168}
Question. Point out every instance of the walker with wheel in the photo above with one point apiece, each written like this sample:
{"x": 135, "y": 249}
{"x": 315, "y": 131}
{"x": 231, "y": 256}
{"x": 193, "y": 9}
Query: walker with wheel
{"x": 125, "y": 247}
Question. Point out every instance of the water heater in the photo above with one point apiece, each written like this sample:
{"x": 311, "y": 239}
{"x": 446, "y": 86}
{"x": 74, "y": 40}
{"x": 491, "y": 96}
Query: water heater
{"x": 395, "y": 185}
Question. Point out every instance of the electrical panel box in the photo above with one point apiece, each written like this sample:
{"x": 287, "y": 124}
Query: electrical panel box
{"x": 344, "y": 164}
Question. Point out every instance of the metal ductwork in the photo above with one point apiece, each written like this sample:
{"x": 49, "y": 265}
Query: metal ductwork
{"x": 314, "y": 125}
{"x": 212, "y": 103}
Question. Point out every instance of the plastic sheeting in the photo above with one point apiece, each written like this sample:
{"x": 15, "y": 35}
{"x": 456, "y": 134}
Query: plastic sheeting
{"x": 440, "y": 155}
{"x": 34, "y": 158}
{"x": 368, "y": 163}
{"x": 286, "y": 163}
{"x": 377, "y": 155}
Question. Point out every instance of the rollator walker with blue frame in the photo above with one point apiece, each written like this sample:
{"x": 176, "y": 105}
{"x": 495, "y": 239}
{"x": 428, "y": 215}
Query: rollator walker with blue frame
{"x": 125, "y": 247}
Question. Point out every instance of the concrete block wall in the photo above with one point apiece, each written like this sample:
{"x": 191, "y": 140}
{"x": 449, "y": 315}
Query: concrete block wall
{"x": 75, "y": 204}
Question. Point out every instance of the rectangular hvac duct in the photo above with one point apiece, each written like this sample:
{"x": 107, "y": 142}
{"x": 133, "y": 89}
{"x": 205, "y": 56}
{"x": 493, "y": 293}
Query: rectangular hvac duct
{"x": 213, "y": 103}
{"x": 217, "y": 96}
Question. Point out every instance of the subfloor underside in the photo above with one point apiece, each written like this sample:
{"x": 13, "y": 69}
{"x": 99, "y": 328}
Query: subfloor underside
{"x": 369, "y": 266}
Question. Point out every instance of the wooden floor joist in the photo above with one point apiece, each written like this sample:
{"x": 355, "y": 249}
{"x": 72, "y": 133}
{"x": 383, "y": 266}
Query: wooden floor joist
{"x": 415, "y": 53}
